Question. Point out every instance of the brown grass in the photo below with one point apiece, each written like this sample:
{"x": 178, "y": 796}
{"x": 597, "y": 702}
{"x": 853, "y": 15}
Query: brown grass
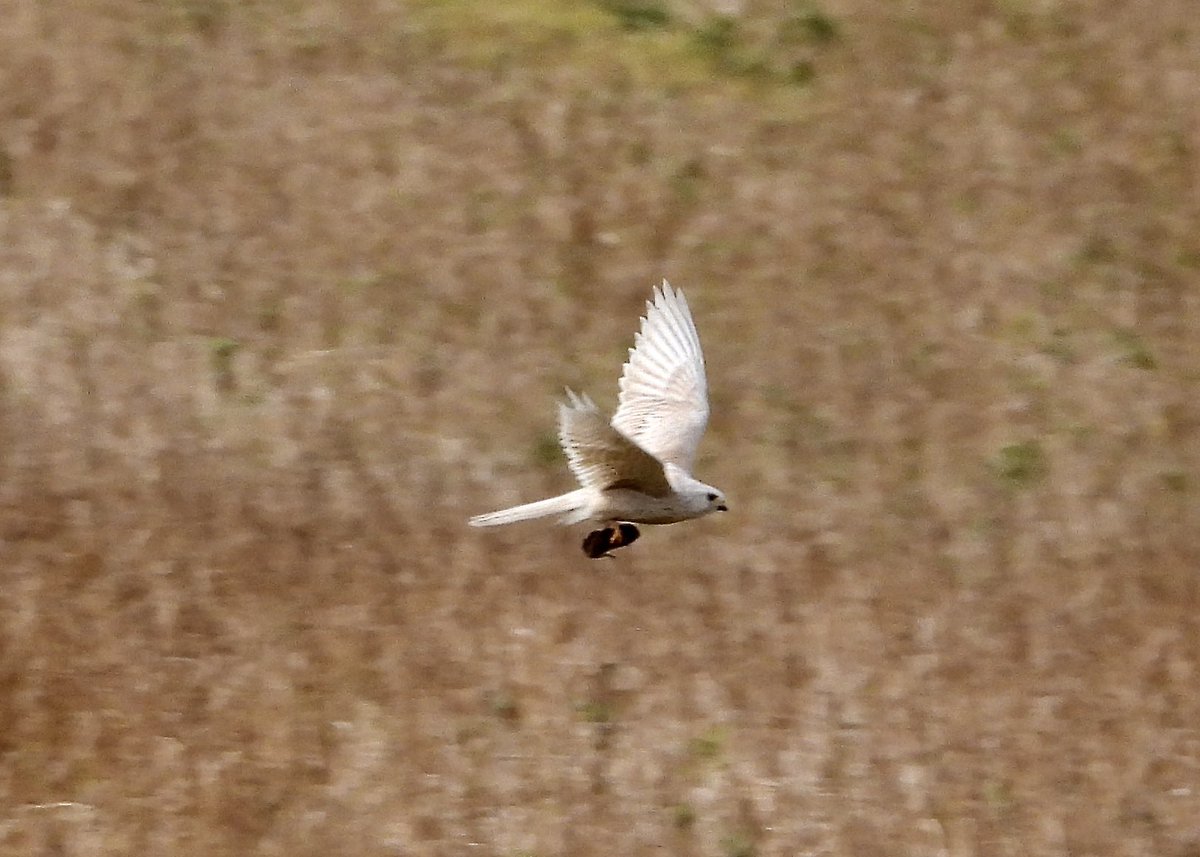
{"x": 286, "y": 293}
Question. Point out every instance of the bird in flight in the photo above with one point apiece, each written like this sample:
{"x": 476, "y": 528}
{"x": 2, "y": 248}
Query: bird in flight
{"x": 636, "y": 468}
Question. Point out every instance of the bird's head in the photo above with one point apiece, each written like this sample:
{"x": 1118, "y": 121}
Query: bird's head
{"x": 698, "y": 498}
{"x": 714, "y": 499}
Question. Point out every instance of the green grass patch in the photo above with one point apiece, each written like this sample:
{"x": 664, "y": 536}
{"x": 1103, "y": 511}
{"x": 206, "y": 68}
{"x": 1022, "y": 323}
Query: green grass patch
{"x": 602, "y": 39}
{"x": 709, "y": 745}
{"x": 810, "y": 25}
{"x": 1175, "y": 480}
{"x": 620, "y": 42}
{"x": 738, "y": 845}
{"x": 683, "y": 816}
{"x": 547, "y": 452}
{"x": 635, "y": 15}
{"x": 1134, "y": 350}
{"x": 593, "y": 711}
{"x": 221, "y": 351}
{"x": 503, "y": 706}
{"x": 1020, "y": 464}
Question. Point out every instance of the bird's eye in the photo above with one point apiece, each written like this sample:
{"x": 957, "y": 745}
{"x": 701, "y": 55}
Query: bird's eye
{"x": 712, "y": 497}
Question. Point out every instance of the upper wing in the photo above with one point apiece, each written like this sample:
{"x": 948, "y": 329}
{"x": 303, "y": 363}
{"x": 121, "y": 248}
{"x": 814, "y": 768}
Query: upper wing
{"x": 664, "y": 394}
{"x": 602, "y": 457}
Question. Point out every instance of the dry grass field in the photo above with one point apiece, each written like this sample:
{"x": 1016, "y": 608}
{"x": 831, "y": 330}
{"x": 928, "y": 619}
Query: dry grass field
{"x": 288, "y": 291}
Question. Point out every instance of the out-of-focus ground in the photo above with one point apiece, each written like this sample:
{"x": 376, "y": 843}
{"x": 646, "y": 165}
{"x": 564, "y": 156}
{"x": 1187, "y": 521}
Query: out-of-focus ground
{"x": 287, "y": 291}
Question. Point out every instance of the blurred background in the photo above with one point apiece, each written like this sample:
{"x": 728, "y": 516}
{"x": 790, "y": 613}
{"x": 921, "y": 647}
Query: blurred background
{"x": 288, "y": 291}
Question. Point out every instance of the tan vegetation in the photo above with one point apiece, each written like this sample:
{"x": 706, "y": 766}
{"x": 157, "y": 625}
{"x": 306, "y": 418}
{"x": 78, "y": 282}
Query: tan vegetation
{"x": 287, "y": 291}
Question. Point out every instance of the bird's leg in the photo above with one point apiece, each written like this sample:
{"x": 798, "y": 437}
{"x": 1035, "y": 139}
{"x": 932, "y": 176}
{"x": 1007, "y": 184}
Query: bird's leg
{"x": 598, "y": 543}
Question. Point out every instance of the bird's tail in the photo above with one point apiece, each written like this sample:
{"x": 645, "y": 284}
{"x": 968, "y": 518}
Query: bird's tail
{"x": 572, "y": 506}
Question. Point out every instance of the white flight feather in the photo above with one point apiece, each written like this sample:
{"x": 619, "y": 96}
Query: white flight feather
{"x": 664, "y": 393}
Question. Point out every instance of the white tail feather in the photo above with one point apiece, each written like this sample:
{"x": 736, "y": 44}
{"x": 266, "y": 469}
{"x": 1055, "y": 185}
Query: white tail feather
{"x": 572, "y": 506}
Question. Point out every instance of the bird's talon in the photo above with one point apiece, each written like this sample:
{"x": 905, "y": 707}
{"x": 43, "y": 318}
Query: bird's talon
{"x": 626, "y": 535}
{"x": 598, "y": 544}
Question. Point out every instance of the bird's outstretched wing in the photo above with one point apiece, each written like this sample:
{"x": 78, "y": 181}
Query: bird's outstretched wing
{"x": 664, "y": 394}
{"x": 602, "y": 457}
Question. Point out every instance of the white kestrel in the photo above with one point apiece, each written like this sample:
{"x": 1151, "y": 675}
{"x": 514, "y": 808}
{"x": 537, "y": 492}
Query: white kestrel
{"x": 636, "y": 469}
